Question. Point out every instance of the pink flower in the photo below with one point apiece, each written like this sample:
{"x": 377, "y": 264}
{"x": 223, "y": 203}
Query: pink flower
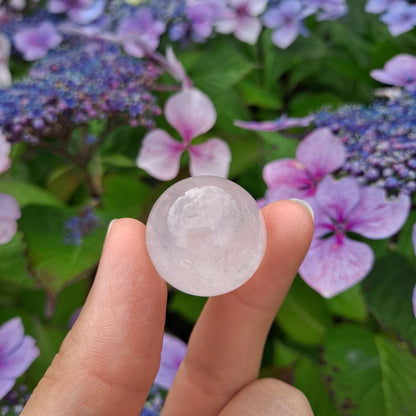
{"x": 9, "y": 213}
{"x": 317, "y": 155}
{"x": 173, "y": 353}
{"x": 5, "y": 146}
{"x": 191, "y": 113}
{"x": 400, "y": 71}
{"x": 34, "y": 43}
{"x": 241, "y": 19}
{"x": 335, "y": 262}
{"x": 17, "y": 352}
{"x": 281, "y": 123}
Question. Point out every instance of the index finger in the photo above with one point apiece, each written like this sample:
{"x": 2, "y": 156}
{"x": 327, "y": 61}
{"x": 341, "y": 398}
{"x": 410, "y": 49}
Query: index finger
{"x": 109, "y": 359}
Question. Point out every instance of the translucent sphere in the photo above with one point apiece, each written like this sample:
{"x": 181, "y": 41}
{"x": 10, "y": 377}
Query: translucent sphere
{"x": 206, "y": 236}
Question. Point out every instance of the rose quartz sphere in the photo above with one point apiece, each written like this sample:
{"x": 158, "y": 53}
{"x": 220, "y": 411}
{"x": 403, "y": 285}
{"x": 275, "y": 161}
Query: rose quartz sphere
{"x": 206, "y": 235}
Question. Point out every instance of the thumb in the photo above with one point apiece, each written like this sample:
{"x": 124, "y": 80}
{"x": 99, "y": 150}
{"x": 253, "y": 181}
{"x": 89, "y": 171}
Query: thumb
{"x": 109, "y": 359}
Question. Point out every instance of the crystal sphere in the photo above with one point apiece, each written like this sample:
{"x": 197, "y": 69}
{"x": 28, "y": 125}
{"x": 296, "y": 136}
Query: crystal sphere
{"x": 206, "y": 235}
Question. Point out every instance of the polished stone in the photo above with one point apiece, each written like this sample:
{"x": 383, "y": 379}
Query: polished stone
{"x": 206, "y": 236}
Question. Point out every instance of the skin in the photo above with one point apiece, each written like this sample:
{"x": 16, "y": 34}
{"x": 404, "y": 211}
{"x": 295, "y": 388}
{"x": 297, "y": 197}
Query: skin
{"x": 110, "y": 357}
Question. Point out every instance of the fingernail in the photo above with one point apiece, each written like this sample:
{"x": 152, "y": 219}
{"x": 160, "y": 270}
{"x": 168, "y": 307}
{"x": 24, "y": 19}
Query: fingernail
{"x": 304, "y": 204}
{"x": 109, "y": 226}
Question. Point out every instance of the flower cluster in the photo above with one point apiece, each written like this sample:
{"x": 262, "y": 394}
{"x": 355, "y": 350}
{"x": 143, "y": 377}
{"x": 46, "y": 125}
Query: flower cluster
{"x": 380, "y": 141}
{"x": 14, "y": 401}
{"x": 72, "y": 87}
{"x": 398, "y": 15}
{"x": 78, "y": 227}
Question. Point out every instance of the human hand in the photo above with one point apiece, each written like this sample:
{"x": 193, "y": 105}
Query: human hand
{"x": 109, "y": 359}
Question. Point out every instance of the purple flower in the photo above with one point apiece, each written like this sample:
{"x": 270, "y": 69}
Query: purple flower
{"x": 400, "y": 71}
{"x": 80, "y": 11}
{"x": 5, "y": 146}
{"x": 191, "y": 113}
{"x": 17, "y": 352}
{"x": 34, "y": 43}
{"x": 140, "y": 33}
{"x": 281, "y": 123}
{"x": 317, "y": 155}
{"x": 5, "y": 75}
{"x": 335, "y": 262}
{"x": 241, "y": 19}
{"x": 400, "y": 17}
{"x": 9, "y": 213}
{"x": 173, "y": 353}
{"x": 414, "y": 301}
{"x": 287, "y": 20}
{"x": 378, "y": 6}
{"x": 327, "y": 9}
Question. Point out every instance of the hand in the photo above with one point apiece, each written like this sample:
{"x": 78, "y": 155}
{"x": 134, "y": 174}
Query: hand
{"x": 109, "y": 359}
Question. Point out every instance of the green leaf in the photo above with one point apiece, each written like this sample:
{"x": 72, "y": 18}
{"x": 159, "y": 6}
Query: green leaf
{"x": 118, "y": 160}
{"x": 189, "y": 307}
{"x": 309, "y": 380}
{"x": 405, "y": 243}
{"x": 349, "y": 304}
{"x": 13, "y": 263}
{"x": 55, "y": 262}
{"x": 63, "y": 182}
{"x": 124, "y": 196}
{"x": 304, "y": 315}
{"x": 398, "y": 367}
{"x": 281, "y": 146}
{"x": 388, "y": 291}
{"x": 256, "y": 95}
{"x": 220, "y": 68}
{"x": 352, "y": 370}
{"x": 305, "y": 103}
{"x": 245, "y": 153}
{"x": 27, "y": 193}
{"x": 48, "y": 340}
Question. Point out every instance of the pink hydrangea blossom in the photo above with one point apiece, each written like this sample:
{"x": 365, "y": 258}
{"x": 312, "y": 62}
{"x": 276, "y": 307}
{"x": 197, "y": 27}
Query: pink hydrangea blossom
{"x": 318, "y": 154}
{"x": 140, "y": 33}
{"x": 35, "y": 42}
{"x": 399, "y": 70}
{"x": 9, "y": 213}
{"x": 17, "y": 352}
{"x": 241, "y": 18}
{"x": 173, "y": 353}
{"x": 336, "y": 262}
{"x": 191, "y": 113}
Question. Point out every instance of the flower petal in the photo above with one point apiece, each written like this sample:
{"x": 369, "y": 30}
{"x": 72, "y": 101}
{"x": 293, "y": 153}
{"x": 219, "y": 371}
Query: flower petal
{"x": 18, "y": 361}
{"x": 248, "y": 30}
{"x": 377, "y": 217}
{"x": 256, "y": 7}
{"x": 286, "y": 35}
{"x": 9, "y": 208}
{"x": 191, "y": 113}
{"x": 338, "y": 198}
{"x": 321, "y": 153}
{"x": 173, "y": 353}
{"x": 212, "y": 157}
{"x": 332, "y": 266}
{"x": 5, "y": 147}
{"x": 413, "y": 301}
{"x": 11, "y": 335}
{"x": 160, "y": 155}
{"x": 6, "y": 385}
{"x": 414, "y": 237}
{"x": 286, "y": 172}
{"x": 8, "y": 228}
